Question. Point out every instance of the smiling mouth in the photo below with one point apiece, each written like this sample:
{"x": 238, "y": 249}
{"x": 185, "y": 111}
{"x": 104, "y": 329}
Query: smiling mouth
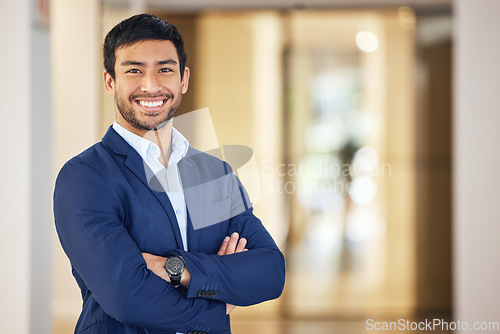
{"x": 151, "y": 104}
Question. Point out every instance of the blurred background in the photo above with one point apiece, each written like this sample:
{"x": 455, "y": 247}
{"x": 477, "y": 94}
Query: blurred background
{"x": 374, "y": 130}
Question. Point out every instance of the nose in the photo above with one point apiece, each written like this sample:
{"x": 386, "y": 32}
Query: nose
{"x": 150, "y": 83}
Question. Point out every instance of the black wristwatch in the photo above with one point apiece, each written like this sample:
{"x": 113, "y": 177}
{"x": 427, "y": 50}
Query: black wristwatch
{"x": 175, "y": 266}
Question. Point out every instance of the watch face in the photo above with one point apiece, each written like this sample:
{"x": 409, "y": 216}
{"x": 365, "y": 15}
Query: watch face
{"x": 175, "y": 266}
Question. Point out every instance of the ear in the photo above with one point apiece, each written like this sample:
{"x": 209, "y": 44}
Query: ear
{"x": 185, "y": 80}
{"x": 109, "y": 83}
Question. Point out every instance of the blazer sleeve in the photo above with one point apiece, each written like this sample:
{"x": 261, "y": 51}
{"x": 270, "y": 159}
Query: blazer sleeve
{"x": 89, "y": 222}
{"x": 245, "y": 278}
{"x": 242, "y": 279}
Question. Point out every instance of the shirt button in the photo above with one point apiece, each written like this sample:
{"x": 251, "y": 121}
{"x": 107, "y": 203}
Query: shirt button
{"x": 178, "y": 212}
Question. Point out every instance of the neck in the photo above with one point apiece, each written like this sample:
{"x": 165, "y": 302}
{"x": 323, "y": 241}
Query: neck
{"x": 161, "y": 137}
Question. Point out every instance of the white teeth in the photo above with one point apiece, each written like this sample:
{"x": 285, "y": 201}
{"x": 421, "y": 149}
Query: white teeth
{"x": 151, "y": 104}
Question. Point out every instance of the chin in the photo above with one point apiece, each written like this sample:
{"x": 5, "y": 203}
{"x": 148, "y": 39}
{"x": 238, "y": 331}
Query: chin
{"x": 155, "y": 124}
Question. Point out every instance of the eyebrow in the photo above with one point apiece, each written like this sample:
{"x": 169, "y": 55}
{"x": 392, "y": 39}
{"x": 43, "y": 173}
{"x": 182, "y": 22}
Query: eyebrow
{"x": 140, "y": 63}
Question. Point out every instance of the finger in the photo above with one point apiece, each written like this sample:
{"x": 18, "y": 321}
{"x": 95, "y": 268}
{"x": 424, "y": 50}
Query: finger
{"x": 223, "y": 247}
{"x": 233, "y": 241}
{"x": 241, "y": 245}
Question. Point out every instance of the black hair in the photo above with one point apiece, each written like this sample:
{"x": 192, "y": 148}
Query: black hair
{"x": 139, "y": 28}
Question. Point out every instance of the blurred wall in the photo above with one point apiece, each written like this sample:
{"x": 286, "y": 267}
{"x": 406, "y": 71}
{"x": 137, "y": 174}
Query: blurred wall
{"x": 239, "y": 78}
{"x": 433, "y": 164}
{"x": 77, "y": 78}
{"x": 476, "y": 160}
{"x": 25, "y": 171}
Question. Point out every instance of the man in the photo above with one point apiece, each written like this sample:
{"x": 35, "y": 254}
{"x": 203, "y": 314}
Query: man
{"x": 160, "y": 236}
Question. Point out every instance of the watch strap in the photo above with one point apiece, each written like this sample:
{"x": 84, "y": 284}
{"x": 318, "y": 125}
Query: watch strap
{"x": 175, "y": 280}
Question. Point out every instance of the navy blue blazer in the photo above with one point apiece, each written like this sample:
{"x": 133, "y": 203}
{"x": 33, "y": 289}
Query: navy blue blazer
{"x": 107, "y": 213}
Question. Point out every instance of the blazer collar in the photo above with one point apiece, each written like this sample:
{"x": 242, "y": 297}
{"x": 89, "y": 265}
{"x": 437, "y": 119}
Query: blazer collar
{"x": 116, "y": 142}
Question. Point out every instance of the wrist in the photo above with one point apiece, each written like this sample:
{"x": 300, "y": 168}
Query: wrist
{"x": 175, "y": 267}
{"x": 186, "y": 278}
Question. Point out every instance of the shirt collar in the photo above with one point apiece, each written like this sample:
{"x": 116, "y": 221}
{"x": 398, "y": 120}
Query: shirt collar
{"x": 180, "y": 144}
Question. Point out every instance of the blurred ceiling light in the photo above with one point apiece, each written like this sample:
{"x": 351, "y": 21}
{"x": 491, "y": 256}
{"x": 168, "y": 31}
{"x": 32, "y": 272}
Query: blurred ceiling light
{"x": 364, "y": 223}
{"x": 324, "y": 136}
{"x": 362, "y": 190}
{"x": 365, "y": 160}
{"x": 367, "y": 41}
{"x": 406, "y": 17}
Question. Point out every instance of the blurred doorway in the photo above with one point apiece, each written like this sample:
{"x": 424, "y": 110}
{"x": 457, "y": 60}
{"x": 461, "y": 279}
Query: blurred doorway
{"x": 350, "y": 152}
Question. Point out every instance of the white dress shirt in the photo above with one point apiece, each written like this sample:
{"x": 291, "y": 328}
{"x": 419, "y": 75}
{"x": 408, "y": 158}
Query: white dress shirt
{"x": 169, "y": 177}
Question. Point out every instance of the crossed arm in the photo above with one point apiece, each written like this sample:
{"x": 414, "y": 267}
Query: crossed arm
{"x": 108, "y": 264}
{"x": 230, "y": 245}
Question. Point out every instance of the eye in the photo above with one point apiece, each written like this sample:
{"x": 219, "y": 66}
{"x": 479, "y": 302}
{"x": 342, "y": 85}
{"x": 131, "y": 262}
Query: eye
{"x": 166, "y": 70}
{"x": 133, "y": 70}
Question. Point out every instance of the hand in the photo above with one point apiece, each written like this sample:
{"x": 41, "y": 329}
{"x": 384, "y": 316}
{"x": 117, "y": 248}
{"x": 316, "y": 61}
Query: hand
{"x": 232, "y": 245}
{"x": 156, "y": 264}
{"x": 229, "y": 308}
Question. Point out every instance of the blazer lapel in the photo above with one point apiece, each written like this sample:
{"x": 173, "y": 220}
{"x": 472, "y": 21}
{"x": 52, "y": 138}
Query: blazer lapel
{"x": 137, "y": 166}
{"x": 193, "y": 194}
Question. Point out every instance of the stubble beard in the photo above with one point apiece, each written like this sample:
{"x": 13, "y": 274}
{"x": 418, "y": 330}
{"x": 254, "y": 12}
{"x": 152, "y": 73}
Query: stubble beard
{"x": 153, "y": 121}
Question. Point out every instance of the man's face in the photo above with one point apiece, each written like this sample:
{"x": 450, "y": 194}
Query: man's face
{"x": 148, "y": 84}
